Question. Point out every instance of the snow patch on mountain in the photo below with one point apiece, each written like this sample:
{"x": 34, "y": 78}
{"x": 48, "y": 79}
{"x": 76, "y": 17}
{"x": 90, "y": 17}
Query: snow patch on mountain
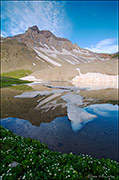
{"x": 30, "y": 78}
{"x": 40, "y": 59}
{"x": 47, "y": 58}
{"x": 95, "y": 81}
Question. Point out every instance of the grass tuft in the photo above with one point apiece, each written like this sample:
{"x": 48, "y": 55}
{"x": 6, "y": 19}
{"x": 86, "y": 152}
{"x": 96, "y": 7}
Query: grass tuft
{"x": 115, "y": 56}
{"x": 22, "y": 87}
{"x": 17, "y": 74}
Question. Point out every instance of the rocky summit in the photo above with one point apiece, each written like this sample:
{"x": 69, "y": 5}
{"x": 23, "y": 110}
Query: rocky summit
{"x": 51, "y": 57}
{"x": 33, "y": 37}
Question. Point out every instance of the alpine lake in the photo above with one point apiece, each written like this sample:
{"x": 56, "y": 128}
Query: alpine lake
{"x": 66, "y": 118}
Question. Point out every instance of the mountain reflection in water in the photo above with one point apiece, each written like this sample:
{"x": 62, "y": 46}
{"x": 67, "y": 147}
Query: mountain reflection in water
{"x": 97, "y": 137}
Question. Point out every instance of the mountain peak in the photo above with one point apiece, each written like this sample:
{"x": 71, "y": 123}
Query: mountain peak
{"x": 46, "y": 33}
{"x": 33, "y": 37}
{"x": 34, "y": 28}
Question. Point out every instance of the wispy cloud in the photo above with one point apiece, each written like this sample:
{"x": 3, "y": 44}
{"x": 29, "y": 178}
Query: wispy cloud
{"x": 105, "y": 46}
{"x": 18, "y": 16}
{"x": 3, "y": 34}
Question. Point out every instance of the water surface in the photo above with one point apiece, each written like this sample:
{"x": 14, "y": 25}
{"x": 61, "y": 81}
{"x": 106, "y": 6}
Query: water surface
{"x": 50, "y": 119}
{"x": 97, "y": 137}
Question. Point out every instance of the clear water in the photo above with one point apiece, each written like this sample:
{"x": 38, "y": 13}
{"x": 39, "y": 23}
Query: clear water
{"x": 97, "y": 137}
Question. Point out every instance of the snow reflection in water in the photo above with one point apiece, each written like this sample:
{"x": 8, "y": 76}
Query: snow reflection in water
{"x": 98, "y": 137}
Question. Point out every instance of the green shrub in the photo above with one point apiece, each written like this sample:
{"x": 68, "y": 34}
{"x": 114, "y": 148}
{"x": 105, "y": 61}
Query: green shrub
{"x": 116, "y": 55}
{"x": 36, "y": 161}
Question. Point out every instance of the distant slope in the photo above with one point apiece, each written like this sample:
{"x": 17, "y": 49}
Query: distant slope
{"x": 16, "y": 55}
{"x": 68, "y": 72}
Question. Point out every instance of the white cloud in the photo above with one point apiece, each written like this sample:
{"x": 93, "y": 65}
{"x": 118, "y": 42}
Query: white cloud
{"x": 18, "y": 16}
{"x": 103, "y": 109}
{"x": 105, "y": 46}
{"x": 3, "y": 34}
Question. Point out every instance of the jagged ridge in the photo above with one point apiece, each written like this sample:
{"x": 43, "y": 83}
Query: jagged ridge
{"x": 38, "y": 50}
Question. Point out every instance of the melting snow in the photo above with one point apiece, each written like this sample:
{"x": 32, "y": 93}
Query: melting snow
{"x": 41, "y": 44}
{"x": 69, "y": 61}
{"x": 47, "y": 58}
{"x": 39, "y": 59}
{"x": 33, "y": 94}
{"x": 46, "y": 46}
{"x": 76, "y": 61}
{"x": 30, "y": 78}
{"x": 81, "y": 52}
{"x": 53, "y": 55}
{"x": 47, "y": 100}
{"x": 73, "y": 99}
{"x": 55, "y": 91}
{"x": 72, "y": 54}
{"x": 95, "y": 81}
{"x": 78, "y": 115}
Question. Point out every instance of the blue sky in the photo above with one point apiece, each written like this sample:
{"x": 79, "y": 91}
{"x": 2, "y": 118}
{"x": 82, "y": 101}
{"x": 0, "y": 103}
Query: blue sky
{"x": 90, "y": 24}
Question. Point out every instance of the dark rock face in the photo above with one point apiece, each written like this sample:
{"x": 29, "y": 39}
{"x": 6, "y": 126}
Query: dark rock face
{"x": 33, "y": 37}
{"x": 47, "y": 34}
{"x": 34, "y": 28}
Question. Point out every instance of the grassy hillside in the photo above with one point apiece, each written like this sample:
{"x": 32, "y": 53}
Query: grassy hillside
{"x": 12, "y": 77}
{"x": 17, "y": 74}
{"x": 16, "y": 55}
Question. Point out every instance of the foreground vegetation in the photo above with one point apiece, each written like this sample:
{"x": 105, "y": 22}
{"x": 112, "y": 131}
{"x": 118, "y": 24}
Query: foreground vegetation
{"x": 17, "y": 74}
{"x": 36, "y": 161}
{"x": 8, "y": 81}
{"x": 116, "y": 55}
{"x": 9, "y": 78}
{"x": 22, "y": 87}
